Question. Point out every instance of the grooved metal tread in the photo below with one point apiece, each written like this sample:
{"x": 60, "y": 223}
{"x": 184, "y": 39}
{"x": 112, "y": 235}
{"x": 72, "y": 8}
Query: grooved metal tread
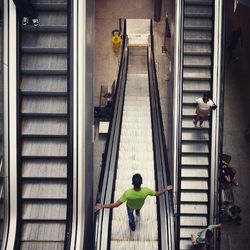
{"x": 195, "y": 141}
{"x": 44, "y": 127}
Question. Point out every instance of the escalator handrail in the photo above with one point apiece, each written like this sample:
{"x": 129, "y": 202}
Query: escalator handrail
{"x": 163, "y": 173}
{"x": 178, "y": 96}
{"x": 106, "y": 186}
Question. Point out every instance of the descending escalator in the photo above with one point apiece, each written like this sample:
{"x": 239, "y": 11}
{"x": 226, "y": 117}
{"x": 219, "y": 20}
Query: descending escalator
{"x": 193, "y": 207}
{"x": 135, "y": 151}
{"x": 44, "y": 133}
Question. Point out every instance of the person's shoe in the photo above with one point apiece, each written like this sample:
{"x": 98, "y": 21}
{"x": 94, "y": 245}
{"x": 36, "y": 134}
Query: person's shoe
{"x": 25, "y": 21}
{"x": 132, "y": 225}
{"x": 35, "y": 22}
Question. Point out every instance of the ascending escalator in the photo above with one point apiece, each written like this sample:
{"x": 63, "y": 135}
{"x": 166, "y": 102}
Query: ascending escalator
{"x": 194, "y": 169}
{"x": 44, "y": 132}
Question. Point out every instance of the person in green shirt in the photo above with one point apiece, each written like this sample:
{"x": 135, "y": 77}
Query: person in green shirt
{"x": 135, "y": 198}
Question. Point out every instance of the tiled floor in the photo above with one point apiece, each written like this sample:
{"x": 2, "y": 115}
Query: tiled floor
{"x": 235, "y": 118}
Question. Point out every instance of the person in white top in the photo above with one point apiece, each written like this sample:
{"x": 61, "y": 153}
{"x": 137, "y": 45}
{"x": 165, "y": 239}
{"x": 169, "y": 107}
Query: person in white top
{"x": 205, "y": 104}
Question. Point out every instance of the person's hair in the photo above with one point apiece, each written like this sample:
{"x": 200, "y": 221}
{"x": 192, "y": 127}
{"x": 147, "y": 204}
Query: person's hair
{"x": 207, "y": 94}
{"x": 137, "y": 180}
{"x": 209, "y": 234}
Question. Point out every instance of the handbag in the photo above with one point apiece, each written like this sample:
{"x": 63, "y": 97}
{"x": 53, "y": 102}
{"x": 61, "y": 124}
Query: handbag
{"x": 194, "y": 239}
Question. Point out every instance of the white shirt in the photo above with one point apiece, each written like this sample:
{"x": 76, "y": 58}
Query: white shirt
{"x": 204, "y": 106}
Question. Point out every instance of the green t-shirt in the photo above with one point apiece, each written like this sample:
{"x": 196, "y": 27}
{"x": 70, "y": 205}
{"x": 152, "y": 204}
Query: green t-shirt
{"x": 135, "y": 199}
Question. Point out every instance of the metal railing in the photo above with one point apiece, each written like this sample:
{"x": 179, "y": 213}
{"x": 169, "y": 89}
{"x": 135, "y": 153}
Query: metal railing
{"x": 162, "y": 169}
{"x": 108, "y": 174}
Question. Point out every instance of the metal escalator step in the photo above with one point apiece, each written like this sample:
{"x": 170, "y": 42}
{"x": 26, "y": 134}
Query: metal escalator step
{"x": 44, "y": 83}
{"x": 49, "y": 1}
{"x": 52, "y": 18}
{"x": 190, "y": 97}
{"x": 44, "y": 189}
{"x": 194, "y": 220}
{"x": 145, "y": 244}
{"x": 189, "y": 196}
{"x": 41, "y": 41}
{"x": 196, "y": 86}
{"x": 186, "y": 243}
{"x": 196, "y": 74}
{"x": 194, "y": 184}
{"x": 194, "y": 209}
{"x": 43, "y": 62}
{"x": 189, "y": 109}
{"x": 187, "y": 123}
{"x": 45, "y": 28}
{"x": 32, "y": 50}
{"x": 44, "y": 168}
{"x": 192, "y": 159}
{"x": 44, "y": 211}
{"x": 41, "y": 6}
{"x": 42, "y": 245}
{"x": 43, "y": 94}
{"x": 53, "y": 232}
{"x": 198, "y": 2}
{"x": 198, "y": 147}
{"x": 198, "y": 11}
{"x": 201, "y": 61}
{"x": 44, "y": 115}
{"x": 197, "y": 49}
{"x": 197, "y": 36}
{"x": 195, "y": 135}
{"x": 44, "y": 72}
{"x": 194, "y": 24}
{"x": 44, "y": 105}
{"x": 44, "y": 126}
{"x": 194, "y": 172}
{"x": 44, "y": 147}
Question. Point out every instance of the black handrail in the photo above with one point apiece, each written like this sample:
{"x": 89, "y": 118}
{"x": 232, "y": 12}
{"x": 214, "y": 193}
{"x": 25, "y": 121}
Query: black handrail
{"x": 162, "y": 169}
{"x": 19, "y": 146}
{"x": 69, "y": 125}
{"x": 181, "y": 11}
{"x": 108, "y": 173}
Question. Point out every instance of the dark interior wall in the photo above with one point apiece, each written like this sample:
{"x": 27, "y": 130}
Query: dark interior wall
{"x": 239, "y": 64}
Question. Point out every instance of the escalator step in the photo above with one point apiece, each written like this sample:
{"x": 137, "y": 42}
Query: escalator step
{"x": 194, "y": 220}
{"x": 194, "y": 209}
{"x": 198, "y": 11}
{"x": 203, "y": 61}
{"x": 201, "y": 197}
{"x": 197, "y": 36}
{"x": 44, "y": 83}
{"x": 54, "y": 232}
{"x": 42, "y": 41}
{"x": 44, "y": 168}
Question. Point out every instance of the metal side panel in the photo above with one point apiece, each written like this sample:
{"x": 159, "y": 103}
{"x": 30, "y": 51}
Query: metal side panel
{"x": 194, "y": 168}
{"x": 43, "y": 133}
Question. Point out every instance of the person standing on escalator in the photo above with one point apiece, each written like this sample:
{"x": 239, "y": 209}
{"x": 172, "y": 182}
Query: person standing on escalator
{"x": 26, "y": 12}
{"x": 135, "y": 198}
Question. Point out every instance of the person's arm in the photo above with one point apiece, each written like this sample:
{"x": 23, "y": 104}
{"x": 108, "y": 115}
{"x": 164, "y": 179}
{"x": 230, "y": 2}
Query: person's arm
{"x": 99, "y": 206}
{"x": 164, "y": 190}
{"x": 227, "y": 177}
{"x": 213, "y": 226}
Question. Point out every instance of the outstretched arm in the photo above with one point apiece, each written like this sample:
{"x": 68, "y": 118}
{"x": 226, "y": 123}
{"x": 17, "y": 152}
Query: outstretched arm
{"x": 164, "y": 190}
{"x": 99, "y": 206}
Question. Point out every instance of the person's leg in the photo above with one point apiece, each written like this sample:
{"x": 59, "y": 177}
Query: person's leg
{"x": 195, "y": 120}
{"x": 202, "y": 118}
{"x": 29, "y": 9}
{"x": 131, "y": 218}
{"x": 137, "y": 212}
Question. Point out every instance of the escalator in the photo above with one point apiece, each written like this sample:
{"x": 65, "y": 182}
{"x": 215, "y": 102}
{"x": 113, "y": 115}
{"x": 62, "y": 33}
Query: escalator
{"x": 136, "y": 149}
{"x": 194, "y": 166}
{"x": 44, "y": 130}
